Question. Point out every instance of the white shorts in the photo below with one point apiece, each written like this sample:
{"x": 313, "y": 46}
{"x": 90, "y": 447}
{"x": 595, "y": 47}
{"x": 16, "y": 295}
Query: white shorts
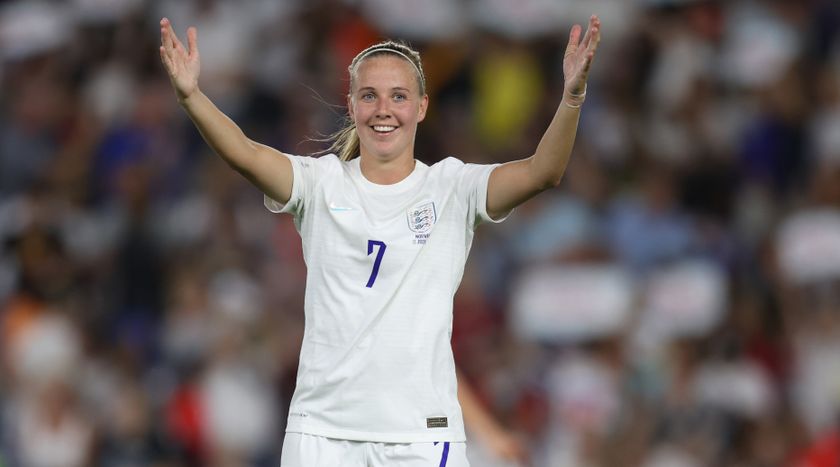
{"x": 303, "y": 450}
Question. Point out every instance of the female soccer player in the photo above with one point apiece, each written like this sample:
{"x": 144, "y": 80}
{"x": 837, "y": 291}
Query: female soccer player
{"x": 385, "y": 239}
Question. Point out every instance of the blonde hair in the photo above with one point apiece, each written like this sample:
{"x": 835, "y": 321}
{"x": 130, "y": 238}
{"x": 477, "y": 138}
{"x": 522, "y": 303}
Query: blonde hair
{"x": 345, "y": 142}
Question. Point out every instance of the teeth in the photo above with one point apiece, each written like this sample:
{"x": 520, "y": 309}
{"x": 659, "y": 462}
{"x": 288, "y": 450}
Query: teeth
{"x": 383, "y": 128}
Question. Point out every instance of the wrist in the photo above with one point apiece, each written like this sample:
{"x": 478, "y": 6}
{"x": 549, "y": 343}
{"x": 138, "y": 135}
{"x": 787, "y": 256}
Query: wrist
{"x": 574, "y": 99}
{"x": 185, "y": 99}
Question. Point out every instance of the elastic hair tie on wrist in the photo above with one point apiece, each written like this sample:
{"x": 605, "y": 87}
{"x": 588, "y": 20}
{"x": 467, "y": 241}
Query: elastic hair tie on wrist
{"x": 578, "y": 98}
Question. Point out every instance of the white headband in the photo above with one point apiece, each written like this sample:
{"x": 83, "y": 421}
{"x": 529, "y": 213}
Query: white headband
{"x": 397, "y": 52}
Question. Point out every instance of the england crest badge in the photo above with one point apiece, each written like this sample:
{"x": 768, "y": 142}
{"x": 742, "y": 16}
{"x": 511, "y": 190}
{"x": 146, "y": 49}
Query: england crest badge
{"x": 421, "y": 218}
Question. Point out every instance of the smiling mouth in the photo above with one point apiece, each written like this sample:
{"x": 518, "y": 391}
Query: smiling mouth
{"x": 383, "y": 129}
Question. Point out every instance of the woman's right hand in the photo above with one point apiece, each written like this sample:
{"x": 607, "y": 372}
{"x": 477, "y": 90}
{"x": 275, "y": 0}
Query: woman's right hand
{"x": 182, "y": 65}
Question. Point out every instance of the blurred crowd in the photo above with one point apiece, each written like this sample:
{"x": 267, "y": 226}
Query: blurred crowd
{"x": 675, "y": 302}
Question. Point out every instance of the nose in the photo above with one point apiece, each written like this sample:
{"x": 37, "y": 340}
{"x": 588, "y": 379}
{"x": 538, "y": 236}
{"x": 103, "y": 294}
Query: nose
{"x": 382, "y": 109}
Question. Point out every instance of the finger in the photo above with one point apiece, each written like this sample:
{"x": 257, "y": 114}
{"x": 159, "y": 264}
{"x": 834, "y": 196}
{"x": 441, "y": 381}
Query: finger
{"x": 595, "y": 41}
{"x": 173, "y": 42}
{"x": 177, "y": 45}
{"x": 587, "y": 37}
{"x": 593, "y": 34}
{"x": 167, "y": 61}
{"x": 192, "y": 41}
{"x": 163, "y": 57}
{"x": 164, "y": 33}
{"x": 574, "y": 39}
{"x": 590, "y": 55}
{"x": 591, "y": 30}
{"x": 170, "y": 40}
{"x": 167, "y": 53}
{"x": 593, "y": 45}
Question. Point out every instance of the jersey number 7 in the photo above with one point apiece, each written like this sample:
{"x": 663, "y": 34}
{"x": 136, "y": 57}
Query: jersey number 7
{"x": 377, "y": 262}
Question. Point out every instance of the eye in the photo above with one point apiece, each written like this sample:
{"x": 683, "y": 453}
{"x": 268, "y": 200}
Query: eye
{"x": 368, "y": 97}
{"x": 399, "y": 97}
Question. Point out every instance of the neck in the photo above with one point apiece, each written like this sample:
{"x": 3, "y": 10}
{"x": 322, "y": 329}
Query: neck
{"x": 386, "y": 172}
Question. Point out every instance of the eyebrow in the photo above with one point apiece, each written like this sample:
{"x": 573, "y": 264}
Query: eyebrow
{"x": 370, "y": 88}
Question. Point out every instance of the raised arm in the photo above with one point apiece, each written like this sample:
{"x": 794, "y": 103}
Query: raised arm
{"x": 265, "y": 167}
{"x": 515, "y": 182}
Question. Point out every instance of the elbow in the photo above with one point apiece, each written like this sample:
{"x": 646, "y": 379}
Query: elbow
{"x": 554, "y": 181}
{"x": 545, "y": 178}
{"x": 548, "y": 180}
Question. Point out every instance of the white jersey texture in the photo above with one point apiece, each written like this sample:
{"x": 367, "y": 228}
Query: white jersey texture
{"x": 383, "y": 264}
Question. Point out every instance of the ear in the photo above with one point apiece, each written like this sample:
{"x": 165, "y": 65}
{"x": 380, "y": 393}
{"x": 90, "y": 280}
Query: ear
{"x": 424, "y": 104}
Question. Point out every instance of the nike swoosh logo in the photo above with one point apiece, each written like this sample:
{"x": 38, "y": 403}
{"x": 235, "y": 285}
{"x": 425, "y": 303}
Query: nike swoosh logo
{"x": 335, "y": 208}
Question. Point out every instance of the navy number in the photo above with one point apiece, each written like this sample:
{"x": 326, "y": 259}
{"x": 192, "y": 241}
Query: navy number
{"x": 377, "y": 262}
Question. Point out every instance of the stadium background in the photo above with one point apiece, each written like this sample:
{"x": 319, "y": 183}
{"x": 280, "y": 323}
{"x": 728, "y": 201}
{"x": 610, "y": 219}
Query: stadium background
{"x": 674, "y": 303}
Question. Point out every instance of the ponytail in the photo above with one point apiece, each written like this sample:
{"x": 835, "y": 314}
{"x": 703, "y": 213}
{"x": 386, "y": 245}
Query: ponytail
{"x": 345, "y": 142}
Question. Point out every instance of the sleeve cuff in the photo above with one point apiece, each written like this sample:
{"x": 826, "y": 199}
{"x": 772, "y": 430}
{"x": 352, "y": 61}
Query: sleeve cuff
{"x": 276, "y": 206}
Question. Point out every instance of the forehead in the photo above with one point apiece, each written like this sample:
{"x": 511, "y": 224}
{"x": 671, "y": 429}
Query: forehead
{"x": 386, "y": 71}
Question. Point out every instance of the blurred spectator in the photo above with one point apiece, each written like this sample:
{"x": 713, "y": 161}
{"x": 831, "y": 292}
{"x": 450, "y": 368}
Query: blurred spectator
{"x": 647, "y": 227}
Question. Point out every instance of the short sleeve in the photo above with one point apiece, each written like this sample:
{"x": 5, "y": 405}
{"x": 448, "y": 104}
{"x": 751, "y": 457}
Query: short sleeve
{"x": 303, "y": 168}
{"x": 473, "y": 181}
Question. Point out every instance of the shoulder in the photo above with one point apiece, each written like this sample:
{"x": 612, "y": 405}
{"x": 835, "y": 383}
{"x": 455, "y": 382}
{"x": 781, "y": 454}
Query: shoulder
{"x": 450, "y": 166}
{"x": 327, "y": 160}
{"x": 448, "y": 163}
{"x": 455, "y": 164}
{"x": 454, "y": 167}
{"x": 327, "y": 163}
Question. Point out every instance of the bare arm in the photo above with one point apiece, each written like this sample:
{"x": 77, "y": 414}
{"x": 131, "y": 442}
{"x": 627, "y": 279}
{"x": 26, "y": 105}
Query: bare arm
{"x": 495, "y": 437}
{"x": 265, "y": 167}
{"x": 513, "y": 183}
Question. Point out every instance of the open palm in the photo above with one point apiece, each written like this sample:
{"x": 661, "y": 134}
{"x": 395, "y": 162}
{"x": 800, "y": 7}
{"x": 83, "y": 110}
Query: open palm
{"x": 182, "y": 65}
{"x": 579, "y": 55}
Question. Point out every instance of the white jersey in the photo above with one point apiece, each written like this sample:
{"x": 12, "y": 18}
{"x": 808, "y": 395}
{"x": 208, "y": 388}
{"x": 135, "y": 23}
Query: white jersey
{"x": 383, "y": 264}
